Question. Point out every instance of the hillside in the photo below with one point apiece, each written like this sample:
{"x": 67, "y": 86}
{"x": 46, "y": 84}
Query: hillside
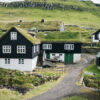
{"x": 71, "y": 12}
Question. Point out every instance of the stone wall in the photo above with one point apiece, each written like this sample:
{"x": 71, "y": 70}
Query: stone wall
{"x": 44, "y": 5}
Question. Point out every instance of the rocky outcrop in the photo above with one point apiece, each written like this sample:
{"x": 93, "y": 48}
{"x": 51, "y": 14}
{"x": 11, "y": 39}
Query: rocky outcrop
{"x": 44, "y": 5}
{"x": 90, "y": 50}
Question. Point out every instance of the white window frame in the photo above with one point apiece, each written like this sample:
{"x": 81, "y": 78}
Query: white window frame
{"x": 37, "y": 48}
{"x": 47, "y": 46}
{"x": 7, "y": 60}
{"x": 21, "y": 61}
{"x": 21, "y": 49}
{"x": 6, "y": 49}
{"x": 13, "y": 35}
{"x": 34, "y": 48}
{"x": 69, "y": 46}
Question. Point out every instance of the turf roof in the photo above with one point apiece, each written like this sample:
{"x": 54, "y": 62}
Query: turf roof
{"x": 47, "y": 25}
{"x": 26, "y": 35}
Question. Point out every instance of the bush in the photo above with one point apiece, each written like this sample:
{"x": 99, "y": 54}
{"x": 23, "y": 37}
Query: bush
{"x": 91, "y": 81}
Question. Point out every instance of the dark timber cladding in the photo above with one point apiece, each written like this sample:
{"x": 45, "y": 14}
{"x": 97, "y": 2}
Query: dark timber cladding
{"x": 58, "y": 47}
{"x": 21, "y": 40}
{"x": 96, "y": 34}
{"x": 66, "y": 52}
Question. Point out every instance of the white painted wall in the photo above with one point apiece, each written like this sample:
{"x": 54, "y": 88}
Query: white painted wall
{"x": 34, "y": 62}
{"x": 93, "y": 39}
{"x": 61, "y": 58}
{"x": 77, "y": 57}
{"x": 44, "y": 56}
{"x": 29, "y": 64}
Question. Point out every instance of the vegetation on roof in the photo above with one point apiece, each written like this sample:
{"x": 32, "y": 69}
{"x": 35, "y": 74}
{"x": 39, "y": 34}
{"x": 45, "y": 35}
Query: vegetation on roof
{"x": 47, "y": 25}
{"x": 63, "y": 36}
{"x": 28, "y": 36}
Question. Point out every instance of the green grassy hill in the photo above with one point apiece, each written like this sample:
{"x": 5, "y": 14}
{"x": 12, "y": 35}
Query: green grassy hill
{"x": 71, "y": 12}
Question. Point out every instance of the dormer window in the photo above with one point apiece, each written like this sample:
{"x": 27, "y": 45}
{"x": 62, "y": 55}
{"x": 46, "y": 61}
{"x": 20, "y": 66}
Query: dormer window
{"x": 13, "y": 35}
{"x": 69, "y": 46}
{"x": 47, "y": 46}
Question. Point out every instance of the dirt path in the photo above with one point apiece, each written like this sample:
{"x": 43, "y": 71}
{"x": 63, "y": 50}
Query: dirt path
{"x": 67, "y": 87}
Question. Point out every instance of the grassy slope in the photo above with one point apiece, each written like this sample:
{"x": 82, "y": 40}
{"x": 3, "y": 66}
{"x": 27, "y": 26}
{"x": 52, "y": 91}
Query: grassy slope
{"x": 32, "y": 14}
{"x": 75, "y": 98}
{"x": 75, "y": 17}
{"x": 93, "y": 68}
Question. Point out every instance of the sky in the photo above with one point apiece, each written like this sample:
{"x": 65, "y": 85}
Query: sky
{"x": 95, "y": 1}
{"x": 10, "y": 0}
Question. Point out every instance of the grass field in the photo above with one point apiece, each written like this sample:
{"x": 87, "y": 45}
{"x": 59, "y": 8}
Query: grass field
{"x": 93, "y": 68}
{"x": 75, "y": 98}
{"x": 82, "y": 18}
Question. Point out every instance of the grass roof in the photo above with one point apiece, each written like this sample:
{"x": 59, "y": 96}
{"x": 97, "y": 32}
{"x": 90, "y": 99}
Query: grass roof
{"x": 26, "y": 35}
{"x": 47, "y": 25}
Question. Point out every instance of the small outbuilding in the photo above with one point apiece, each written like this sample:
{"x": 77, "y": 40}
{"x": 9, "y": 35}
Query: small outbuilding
{"x": 96, "y": 36}
{"x": 67, "y": 52}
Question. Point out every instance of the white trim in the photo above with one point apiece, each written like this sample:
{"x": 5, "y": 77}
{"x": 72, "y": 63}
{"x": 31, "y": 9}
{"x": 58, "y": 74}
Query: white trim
{"x": 21, "y": 49}
{"x": 34, "y": 49}
{"x": 13, "y": 35}
{"x": 6, "y": 49}
{"x": 47, "y": 46}
{"x": 93, "y": 39}
{"x": 69, "y": 46}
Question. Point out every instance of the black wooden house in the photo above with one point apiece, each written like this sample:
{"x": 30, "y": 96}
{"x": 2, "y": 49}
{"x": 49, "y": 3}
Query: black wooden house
{"x": 18, "y": 50}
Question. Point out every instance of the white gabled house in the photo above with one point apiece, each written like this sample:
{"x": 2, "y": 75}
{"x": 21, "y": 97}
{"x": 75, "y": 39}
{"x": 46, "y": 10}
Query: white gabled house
{"x": 96, "y": 36}
{"x": 18, "y": 50}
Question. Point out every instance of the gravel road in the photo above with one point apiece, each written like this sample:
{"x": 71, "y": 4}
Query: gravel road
{"x": 67, "y": 87}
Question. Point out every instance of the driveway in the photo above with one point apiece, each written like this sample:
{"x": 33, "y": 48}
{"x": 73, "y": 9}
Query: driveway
{"x": 67, "y": 87}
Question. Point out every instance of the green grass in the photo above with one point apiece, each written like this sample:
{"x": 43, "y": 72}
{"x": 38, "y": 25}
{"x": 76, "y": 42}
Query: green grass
{"x": 26, "y": 81}
{"x": 93, "y": 68}
{"x": 65, "y": 36}
{"x": 59, "y": 35}
{"x": 82, "y": 18}
{"x": 6, "y": 94}
{"x": 75, "y": 98}
{"x": 92, "y": 81}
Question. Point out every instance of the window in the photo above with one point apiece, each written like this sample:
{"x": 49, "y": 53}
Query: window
{"x": 34, "y": 49}
{"x": 69, "y": 46}
{"x": 7, "y": 61}
{"x": 60, "y": 54}
{"x": 37, "y": 48}
{"x": 21, "y": 61}
{"x": 13, "y": 35}
{"x": 47, "y": 46}
{"x": 21, "y": 49}
{"x": 6, "y": 49}
{"x": 53, "y": 54}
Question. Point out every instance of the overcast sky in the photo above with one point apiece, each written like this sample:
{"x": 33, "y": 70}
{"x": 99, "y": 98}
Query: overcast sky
{"x": 96, "y": 1}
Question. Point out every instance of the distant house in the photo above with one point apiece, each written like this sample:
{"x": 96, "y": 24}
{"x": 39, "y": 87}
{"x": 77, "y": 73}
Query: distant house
{"x": 67, "y": 52}
{"x": 96, "y": 36}
{"x": 18, "y": 50}
{"x": 98, "y": 60}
